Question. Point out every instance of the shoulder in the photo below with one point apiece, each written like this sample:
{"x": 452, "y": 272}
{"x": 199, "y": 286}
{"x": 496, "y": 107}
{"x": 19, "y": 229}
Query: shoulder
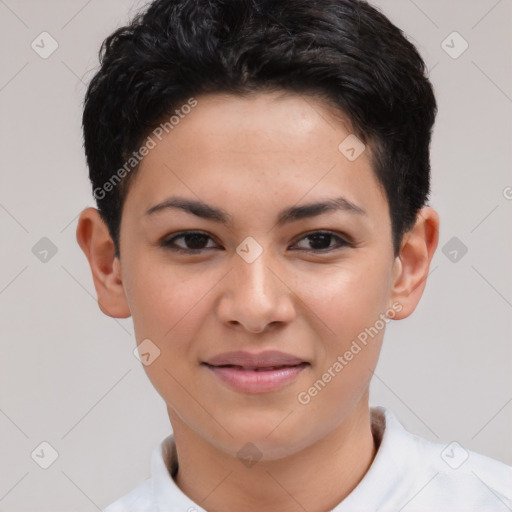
{"x": 138, "y": 499}
{"x": 464, "y": 476}
{"x": 451, "y": 477}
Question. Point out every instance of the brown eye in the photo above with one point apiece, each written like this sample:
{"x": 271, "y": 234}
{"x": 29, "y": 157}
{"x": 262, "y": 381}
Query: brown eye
{"x": 194, "y": 242}
{"x": 320, "y": 241}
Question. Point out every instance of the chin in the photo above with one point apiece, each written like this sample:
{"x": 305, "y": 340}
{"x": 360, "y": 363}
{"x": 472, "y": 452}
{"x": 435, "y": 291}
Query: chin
{"x": 269, "y": 438}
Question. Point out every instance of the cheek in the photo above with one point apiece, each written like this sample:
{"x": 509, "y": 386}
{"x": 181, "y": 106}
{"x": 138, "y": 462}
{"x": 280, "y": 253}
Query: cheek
{"x": 170, "y": 305}
{"x": 353, "y": 304}
{"x": 167, "y": 307}
{"x": 346, "y": 297}
{"x": 162, "y": 297}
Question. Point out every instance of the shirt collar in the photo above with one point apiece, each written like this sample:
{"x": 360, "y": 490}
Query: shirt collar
{"x": 387, "y": 475}
{"x": 390, "y": 477}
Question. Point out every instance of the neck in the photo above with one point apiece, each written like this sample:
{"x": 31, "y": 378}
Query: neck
{"x": 317, "y": 477}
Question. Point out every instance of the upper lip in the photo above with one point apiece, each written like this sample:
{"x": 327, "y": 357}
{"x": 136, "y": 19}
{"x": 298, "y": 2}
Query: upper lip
{"x": 264, "y": 359}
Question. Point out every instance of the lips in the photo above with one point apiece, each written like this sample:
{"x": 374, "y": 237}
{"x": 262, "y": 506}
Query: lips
{"x": 256, "y": 373}
{"x": 264, "y": 360}
{"x": 255, "y": 368}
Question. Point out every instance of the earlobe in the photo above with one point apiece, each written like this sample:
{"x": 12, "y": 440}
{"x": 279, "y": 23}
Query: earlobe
{"x": 94, "y": 239}
{"x": 413, "y": 262}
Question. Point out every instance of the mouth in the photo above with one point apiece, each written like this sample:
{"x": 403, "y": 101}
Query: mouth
{"x": 256, "y": 373}
{"x": 255, "y": 368}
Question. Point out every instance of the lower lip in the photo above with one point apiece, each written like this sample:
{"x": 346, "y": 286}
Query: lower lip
{"x": 252, "y": 381}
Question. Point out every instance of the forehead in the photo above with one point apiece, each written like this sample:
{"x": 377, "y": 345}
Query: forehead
{"x": 264, "y": 148}
{"x": 279, "y": 122}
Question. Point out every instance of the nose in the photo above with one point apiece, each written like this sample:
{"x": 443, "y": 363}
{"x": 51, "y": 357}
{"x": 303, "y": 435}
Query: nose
{"x": 255, "y": 295}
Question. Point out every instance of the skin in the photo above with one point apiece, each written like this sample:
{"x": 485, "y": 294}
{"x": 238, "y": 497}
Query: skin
{"x": 253, "y": 156}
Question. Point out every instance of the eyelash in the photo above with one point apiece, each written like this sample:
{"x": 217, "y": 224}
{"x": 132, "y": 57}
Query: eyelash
{"x": 167, "y": 243}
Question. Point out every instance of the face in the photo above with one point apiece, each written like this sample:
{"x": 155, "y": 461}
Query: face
{"x": 306, "y": 284}
{"x": 257, "y": 264}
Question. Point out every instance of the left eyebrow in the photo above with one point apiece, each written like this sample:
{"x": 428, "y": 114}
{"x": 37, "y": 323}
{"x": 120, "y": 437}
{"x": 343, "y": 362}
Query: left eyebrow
{"x": 291, "y": 214}
{"x": 314, "y": 209}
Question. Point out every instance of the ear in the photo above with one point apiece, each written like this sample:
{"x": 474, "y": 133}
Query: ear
{"x": 412, "y": 264}
{"x": 94, "y": 238}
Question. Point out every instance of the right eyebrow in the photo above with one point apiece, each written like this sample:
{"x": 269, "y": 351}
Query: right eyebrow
{"x": 295, "y": 213}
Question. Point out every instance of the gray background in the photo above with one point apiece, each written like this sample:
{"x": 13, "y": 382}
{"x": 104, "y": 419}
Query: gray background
{"x": 67, "y": 372}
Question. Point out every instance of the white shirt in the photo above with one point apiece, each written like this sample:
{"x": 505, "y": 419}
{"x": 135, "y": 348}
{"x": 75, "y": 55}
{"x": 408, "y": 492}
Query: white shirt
{"x": 407, "y": 474}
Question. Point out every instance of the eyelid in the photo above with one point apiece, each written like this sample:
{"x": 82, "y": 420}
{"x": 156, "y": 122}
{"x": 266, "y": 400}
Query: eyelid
{"x": 343, "y": 239}
{"x": 340, "y": 236}
{"x": 166, "y": 241}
